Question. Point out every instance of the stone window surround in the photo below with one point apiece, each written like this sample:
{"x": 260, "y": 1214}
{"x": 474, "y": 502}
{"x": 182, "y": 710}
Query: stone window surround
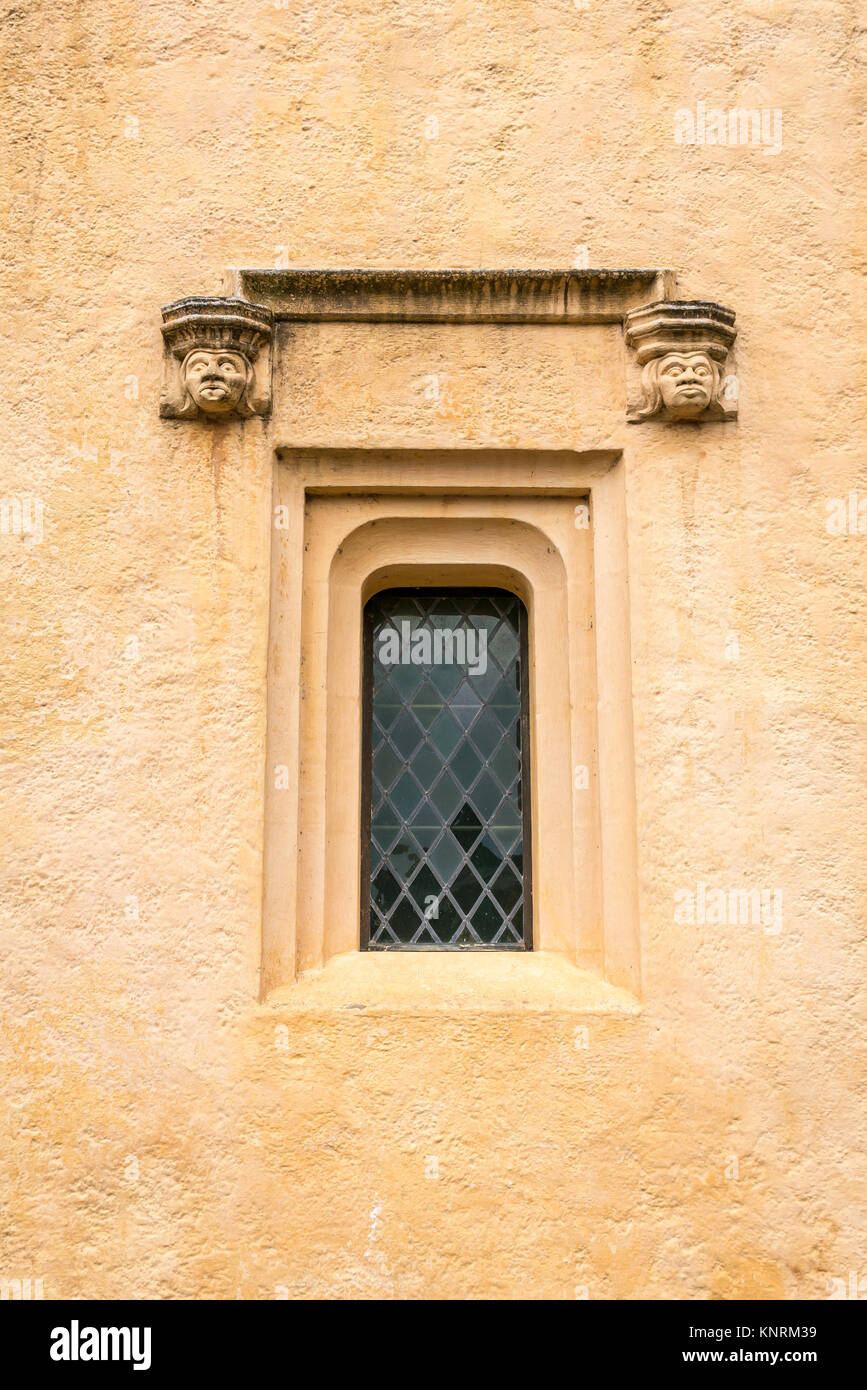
{"x": 364, "y": 520}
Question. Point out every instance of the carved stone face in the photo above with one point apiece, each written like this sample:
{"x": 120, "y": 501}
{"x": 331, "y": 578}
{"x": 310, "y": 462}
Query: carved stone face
{"x": 686, "y": 383}
{"x": 216, "y": 380}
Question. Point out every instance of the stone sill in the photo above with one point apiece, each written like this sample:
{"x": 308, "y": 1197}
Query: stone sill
{"x": 451, "y": 982}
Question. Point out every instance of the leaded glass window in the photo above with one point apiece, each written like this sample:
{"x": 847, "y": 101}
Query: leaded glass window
{"x": 445, "y": 855}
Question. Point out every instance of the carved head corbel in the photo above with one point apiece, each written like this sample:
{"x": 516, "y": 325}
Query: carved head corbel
{"x": 217, "y": 362}
{"x": 678, "y": 368}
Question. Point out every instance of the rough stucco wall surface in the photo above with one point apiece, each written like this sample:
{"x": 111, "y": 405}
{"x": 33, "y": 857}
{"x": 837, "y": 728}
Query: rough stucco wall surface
{"x": 155, "y": 1140}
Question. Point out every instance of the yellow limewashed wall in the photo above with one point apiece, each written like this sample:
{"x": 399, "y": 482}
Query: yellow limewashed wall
{"x": 164, "y": 1133}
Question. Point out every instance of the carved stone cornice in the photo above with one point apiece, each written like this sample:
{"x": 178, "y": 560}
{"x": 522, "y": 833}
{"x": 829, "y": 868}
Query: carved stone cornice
{"x": 678, "y": 370}
{"x": 217, "y": 362}
{"x": 452, "y": 296}
{"x": 218, "y": 351}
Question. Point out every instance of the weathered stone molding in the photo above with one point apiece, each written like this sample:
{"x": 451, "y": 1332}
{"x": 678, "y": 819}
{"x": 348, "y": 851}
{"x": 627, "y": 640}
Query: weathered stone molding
{"x": 217, "y": 362}
{"x": 452, "y": 296}
{"x": 678, "y": 367}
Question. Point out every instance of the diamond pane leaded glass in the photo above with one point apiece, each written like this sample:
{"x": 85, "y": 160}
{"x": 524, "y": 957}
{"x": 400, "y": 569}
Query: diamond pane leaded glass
{"x": 444, "y": 803}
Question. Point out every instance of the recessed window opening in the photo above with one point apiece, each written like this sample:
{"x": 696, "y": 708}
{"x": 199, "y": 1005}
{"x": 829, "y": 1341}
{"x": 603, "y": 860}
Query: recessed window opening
{"x": 445, "y": 861}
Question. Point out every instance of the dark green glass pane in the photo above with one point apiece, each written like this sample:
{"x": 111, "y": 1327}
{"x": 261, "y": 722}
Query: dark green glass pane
{"x": 506, "y": 705}
{"x": 487, "y": 920}
{"x": 426, "y": 704}
{"x": 508, "y": 691}
{"x": 402, "y": 681}
{"x": 406, "y": 735}
{"x": 405, "y": 795}
{"x": 447, "y": 795}
{"x": 405, "y": 857}
{"x": 387, "y": 710}
{"x": 385, "y": 827}
{"x": 445, "y": 735}
{"x": 503, "y": 645}
{"x": 482, "y": 610}
{"x": 465, "y": 704}
{"x": 486, "y": 796}
{"x": 403, "y": 607}
{"x": 509, "y": 935}
{"x": 505, "y": 825}
{"x": 444, "y": 610}
{"x": 385, "y": 890}
{"x": 405, "y": 918}
{"x": 425, "y": 886}
{"x": 445, "y": 680}
{"x": 447, "y": 919}
{"x": 486, "y": 682}
{"x": 466, "y": 826}
{"x": 379, "y": 928}
{"x": 506, "y": 763}
{"x": 486, "y": 859}
{"x": 465, "y": 936}
{"x": 427, "y": 765}
{"x": 386, "y": 765}
{"x": 486, "y": 733}
{"x": 466, "y": 765}
{"x": 506, "y": 888}
{"x": 445, "y": 856}
{"x": 446, "y": 774}
{"x": 466, "y": 889}
{"x": 426, "y": 826}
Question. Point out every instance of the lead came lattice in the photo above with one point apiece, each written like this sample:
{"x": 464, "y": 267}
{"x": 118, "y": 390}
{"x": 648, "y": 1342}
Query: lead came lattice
{"x": 445, "y": 790}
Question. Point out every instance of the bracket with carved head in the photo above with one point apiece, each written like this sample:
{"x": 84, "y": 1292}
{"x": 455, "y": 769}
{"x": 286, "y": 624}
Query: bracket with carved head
{"x": 217, "y": 362}
{"x": 679, "y": 367}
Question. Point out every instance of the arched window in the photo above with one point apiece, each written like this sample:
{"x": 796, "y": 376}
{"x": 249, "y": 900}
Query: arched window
{"x": 445, "y": 790}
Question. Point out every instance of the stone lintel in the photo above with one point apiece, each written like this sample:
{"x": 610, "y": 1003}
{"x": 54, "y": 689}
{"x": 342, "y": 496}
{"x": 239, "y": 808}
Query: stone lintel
{"x": 452, "y": 296}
